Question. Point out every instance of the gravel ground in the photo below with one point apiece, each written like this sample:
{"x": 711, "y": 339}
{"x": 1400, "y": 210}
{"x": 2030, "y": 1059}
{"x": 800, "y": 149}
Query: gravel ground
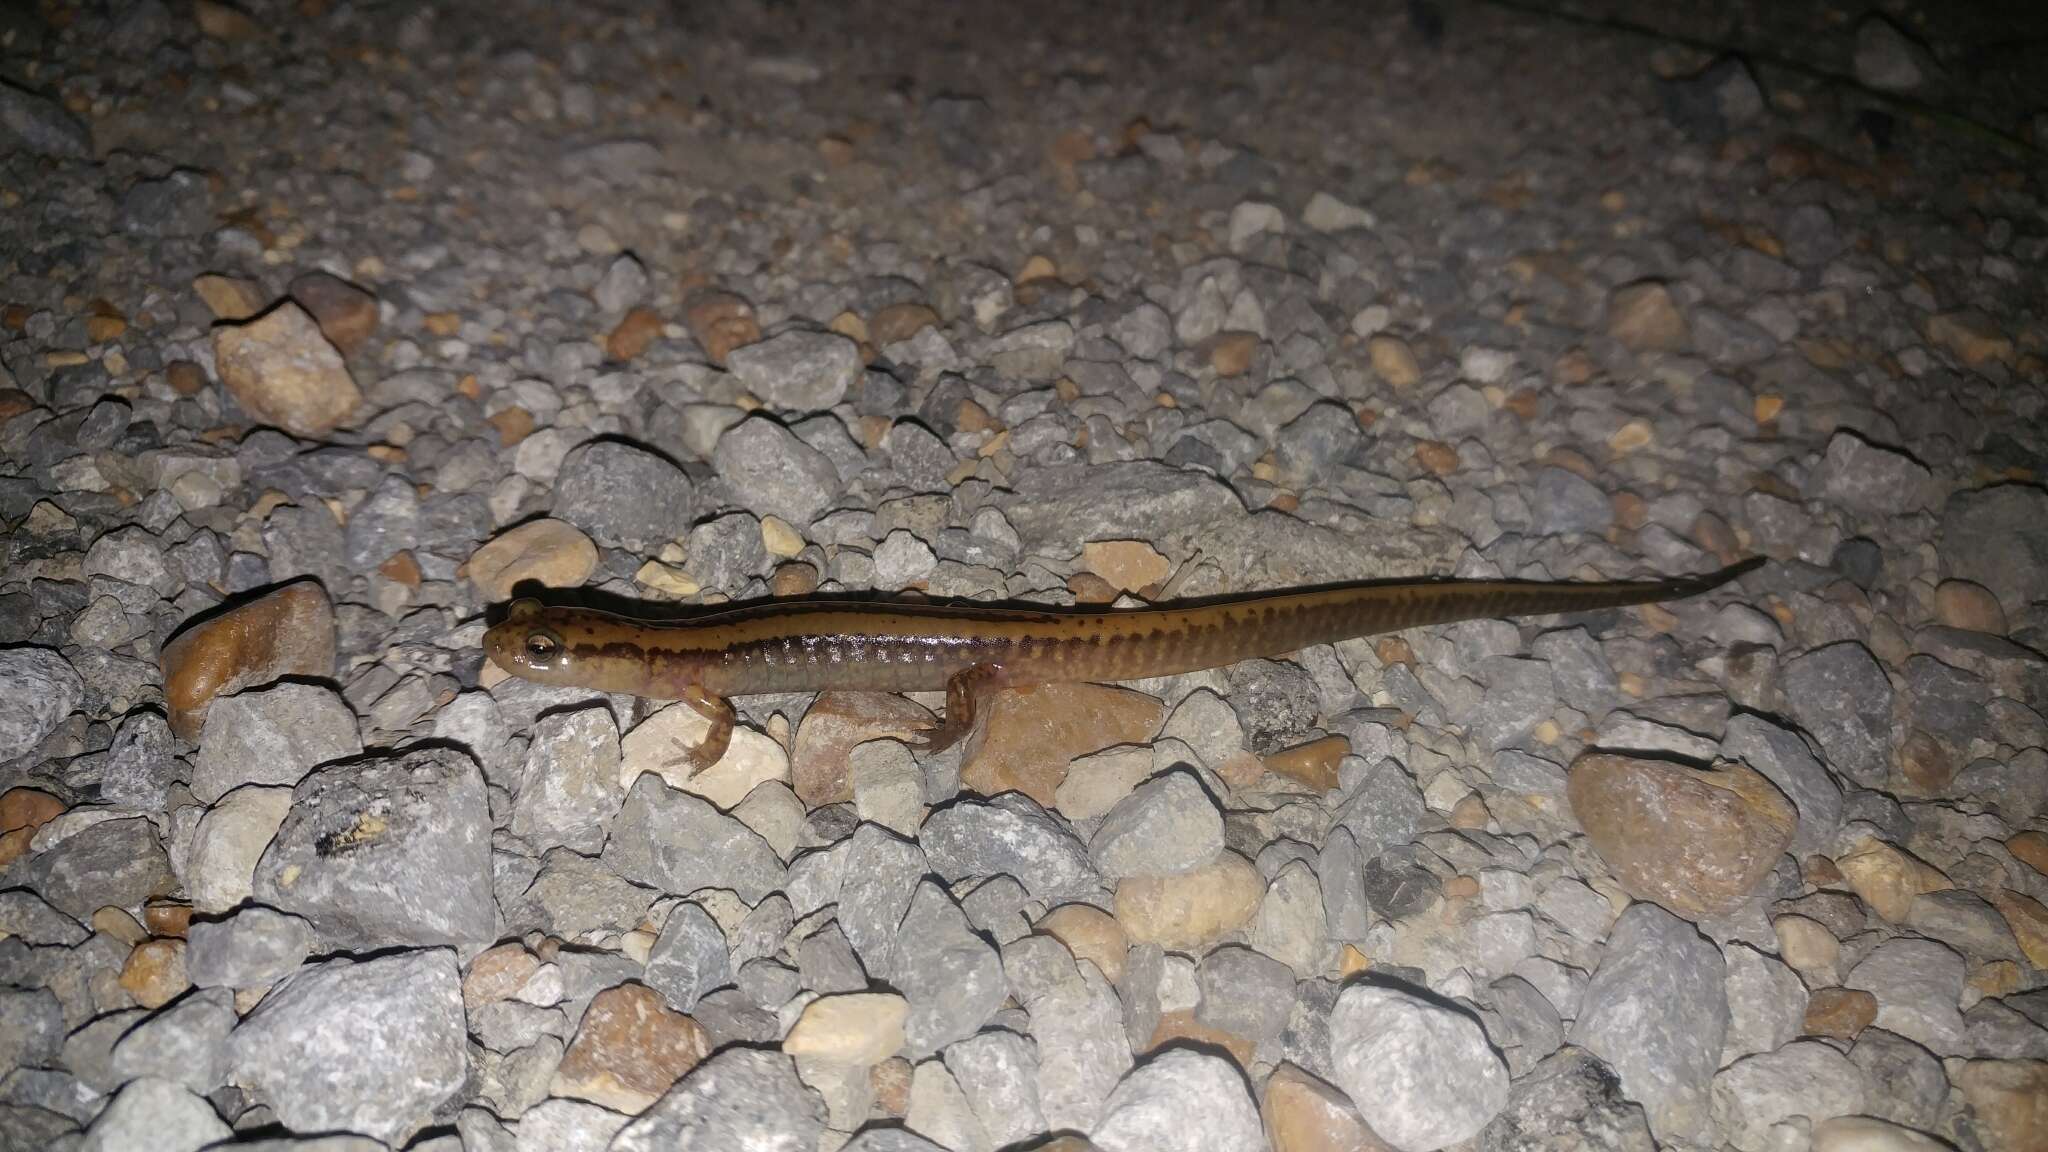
{"x": 325, "y": 327}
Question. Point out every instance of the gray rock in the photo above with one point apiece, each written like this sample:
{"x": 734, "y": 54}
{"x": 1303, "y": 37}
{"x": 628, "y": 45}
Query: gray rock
{"x": 40, "y": 125}
{"x": 689, "y": 958}
{"x": 1137, "y": 498}
{"x": 1275, "y": 702}
{"x": 574, "y": 896}
{"x": 1755, "y": 1094}
{"x": 738, "y": 1098}
{"x": 891, "y": 1140}
{"x": 1311, "y": 445}
{"x": 1998, "y": 537}
{"x": 1907, "y": 1083}
{"x": 1340, "y": 870}
{"x": 116, "y": 862}
{"x": 271, "y": 735}
{"x": 1289, "y": 925}
{"x": 1766, "y": 1003}
{"x": 1656, "y": 1010}
{"x": 1993, "y": 1031}
{"x": 570, "y": 790}
{"x": 1579, "y": 671}
{"x": 1526, "y": 1026}
{"x": 1783, "y": 758}
{"x": 1518, "y": 771}
{"x": 185, "y": 1043}
{"x": 675, "y": 842}
{"x": 826, "y": 962}
{"x": 1887, "y": 59}
{"x": 1181, "y": 1101}
{"x": 1169, "y": 824}
{"x": 1729, "y": 341}
{"x": 1082, "y": 1048}
{"x": 588, "y": 488}
{"x": 1562, "y": 503}
{"x": 252, "y": 947}
{"x": 623, "y": 285}
{"x": 27, "y": 917}
{"x": 1519, "y": 696}
{"x": 1396, "y": 886}
{"x": 38, "y": 688}
{"x": 1421, "y": 1074}
{"x": 1840, "y": 695}
{"x": 1964, "y": 921}
{"x": 141, "y": 763}
{"x": 1570, "y": 1101}
{"x": 301, "y": 1050}
{"x": 1918, "y": 984}
{"x": 775, "y": 473}
{"x": 1146, "y": 332}
{"x": 951, "y": 976}
{"x": 387, "y": 852}
{"x": 1871, "y": 479}
{"x": 563, "y": 1125}
{"x": 882, "y": 875}
{"x": 386, "y": 523}
{"x": 1244, "y": 992}
{"x": 157, "y": 1115}
{"x": 725, "y": 552}
{"x": 1011, "y": 836}
{"x": 998, "y": 1073}
{"x": 31, "y": 1027}
{"x": 1385, "y": 810}
{"x": 799, "y": 370}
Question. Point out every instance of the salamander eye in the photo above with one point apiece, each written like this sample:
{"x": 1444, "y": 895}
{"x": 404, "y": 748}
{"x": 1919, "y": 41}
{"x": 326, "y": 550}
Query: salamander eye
{"x": 542, "y": 647}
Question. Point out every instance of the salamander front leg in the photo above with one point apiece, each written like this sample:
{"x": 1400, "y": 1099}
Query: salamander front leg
{"x": 963, "y": 697}
{"x": 716, "y": 740}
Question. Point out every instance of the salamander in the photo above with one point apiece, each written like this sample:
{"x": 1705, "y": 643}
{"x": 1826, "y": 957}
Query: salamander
{"x": 810, "y": 645}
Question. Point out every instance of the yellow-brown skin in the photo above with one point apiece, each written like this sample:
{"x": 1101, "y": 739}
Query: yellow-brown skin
{"x": 814, "y": 645}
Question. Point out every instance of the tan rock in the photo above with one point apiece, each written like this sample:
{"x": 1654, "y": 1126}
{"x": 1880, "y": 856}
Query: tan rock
{"x": 283, "y": 371}
{"x": 1128, "y": 565}
{"x": 1090, "y": 934}
{"x": 721, "y": 322}
{"x": 1095, "y": 782}
{"x": 899, "y": 322}
{"x": 550, "y": 553}
{"x": 1697, "y": 843}
{"x": 2030, "y": 848}
{"x": 497, "y": 973}
{"x": 346, "y": 313}
{"x": 1926, "y": 764}
{"x": 631, "y": 336}
{"x": 1975, "y": 338}
{"x": 657, "y": 744}
{"x": 28, "y": 808}
{"x": 1967, "y": 605}
{"x": 1230, "y": 353}
{"x": 167, "y": 918}
{"x": 1439, "y": 458}
{"x": 228, "y": 843}
{"x": 230, "y": 298}
{"x": 629, "y": 1049}
{"x": 1314, "y": 763}
{"x": 2029, "y": 923}
{"x": 117, "y": 923}
{"x": 1304, "y": 1114}
{"x": 1807, "y": 945}
{"x": 224, "y": 21}
{"x": 1029, "y": 735}
{"x": 860, "y": 1028}
{"x": 1842, "y": 1013}
{"x": 837, "y": 722}
{"x": 1393, "y": 361}
{"x": 288, "y": 632}
{"x": 779, "y": 538}
{"x": 1190, "y": 909}
{"x": 1180, "y": 1027}
{"x": 1644, "y": 318}
{"x": 1869, "y": 1134}
{"x": 2008, "y": 1099}
{"x": 1887, "y": 877}
{"x": 154, "y": 973}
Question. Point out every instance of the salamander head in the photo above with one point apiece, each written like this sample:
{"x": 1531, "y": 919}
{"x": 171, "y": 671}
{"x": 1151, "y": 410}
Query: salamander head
{"x": 529, "y": 643}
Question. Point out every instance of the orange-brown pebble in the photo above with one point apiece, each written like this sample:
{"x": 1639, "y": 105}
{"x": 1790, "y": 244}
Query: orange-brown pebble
{"x": 1461, "y": 887}
{"x": 1970, "y": 606}
{"x": 1436, "y": 457}
{"x": 1181, "y": 1027}
{"x": 401, "y": 567}
{"x": 2029, "y": 923}
{"x": 1031, "y": 734}
{"x": 1643, "y": 318}
{"x": 1127, "y": 565}
{"x": 497, "y": 973}
{"x": 1230, "y": 353}
{"x": 1393, "y": 650}
{"x": 167, "y": 917}
{"x": 282, "y": 370}
{"x": 899, "y": 322}
{"x": 105, "y": 325}
{"x": 796, "y": 578}
{"x": 288, "y": 632}
{"x": 2031, "y": 849}
{"x": 230, "y": 298}
{"x": 2008, "y": 1099}
{"x": 442, "y": 324}
{"x": 117, "y": 923}
{"x": 629, "y": 1049}
{"x": 1470, "y": 812}
{"x": 1314, "y": 763}
{"x": 1697, "y": 843}
{"x": 1394, "y": 361}
{"x": 345, "y": 312}
{"x": 1090, "y": 934}
{"x": 513, "y": 424}
{"x": 28, "y": 809}
{"x": 891, "y": 1081}
{"x": 1840, "y": 1012}
{"x": 1088, "y": 588}
{"x": 1303, "y": 1114}
{"x": 633, "y": 333}
{"x": 833, "y": 725}
{"x": 1924, "y": 762}
{"x": 185, "y": 377}
{"x": 13, "y": 402}
{"x": 1190, "y": 909}
{"x": 721, "y": 322}
{"x": 154, "y": 973}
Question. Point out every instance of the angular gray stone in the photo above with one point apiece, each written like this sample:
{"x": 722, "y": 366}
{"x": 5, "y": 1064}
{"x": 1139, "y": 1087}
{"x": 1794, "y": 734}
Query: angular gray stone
{"x": 1869, "y": 478}
{"x": 827, "y": 964}
{"x": 1564, "y": 503}
{"x": 1998, "y": 537}
{"x": 1529, "y": 1028}
{"x": 1782, "y": 757}
{"x": 589, "y": 489}
{"x": 38, "y": 688}
{"x": 1010, "y": 836}
{"x": 1181, "y": 1101}
{"x": 303, "y": 1049}
{"x": 798, "y": 370}
{"x": 31, "y": 1027}
{"x": 1244, "y": 992}
{"x": 573, "y": 896}
{"x": 271, "y": 735}
{"x": 1138, "y": 498}
{"x": 689, "y": 959}
{"x": 678, "y": 843}
{"x": 1421, "y": 1074}
{"x": 116, "y": 862}
{"x": 29, "y": 918}
{"x": 1384, "y": 811}
{"x": 738, "y": 1098}
{"x": 1918, "y": 984}
{"x": 1907, "y": 1082}
{"x": 1083, "y": 1051}
{"x": 40, "y": 125}
{"x": 997, "y": 1071}
{"x": 1569, "y": 1101}
{"x": 157, "y": 1115}
{"x": 1340, "y": 869}
{"x": 1169, "y": 824}
{"x": 1840, "y": 695}
{"x": 774, "y": 472}
{"x": 1656, "y": 1011}
{"x": 882, "y": 875}
{"x": 251, "y": 948}
{"x": 186, "y": 1043}
{"x": 570, "y": 790}
{"x": 1766, "y": 1003}
{"x": 951, "y": 976}
{"x": 1806, "y": 1078}
{"x": 387, "y": 852}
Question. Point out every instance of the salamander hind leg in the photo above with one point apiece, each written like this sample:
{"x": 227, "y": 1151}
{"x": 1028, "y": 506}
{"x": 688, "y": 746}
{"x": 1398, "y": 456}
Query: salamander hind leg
{"x": 717, "y": 738}
{"x": 963, "y": 698}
